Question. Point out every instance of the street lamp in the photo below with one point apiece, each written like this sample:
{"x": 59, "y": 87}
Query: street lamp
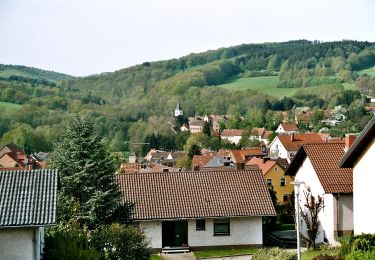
{"x": 297, "y": 185}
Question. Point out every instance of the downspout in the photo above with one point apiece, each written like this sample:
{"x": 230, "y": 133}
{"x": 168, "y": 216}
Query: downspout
{"x": 36, "y": 242}
{"x": 337, "y": 213}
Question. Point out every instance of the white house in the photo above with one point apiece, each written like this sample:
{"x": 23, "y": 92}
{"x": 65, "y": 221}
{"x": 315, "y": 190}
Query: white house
{"x": 286, "y": 146}
{"x": 361, "y": 157}
{"x": 260, "y": 134}
{"x": 27, "y": 205}
{"x": 317, "y": 166}
{"x": 287, "y": 128}
{"x": 199, "y": 209}
{"x": 232, "y": 135}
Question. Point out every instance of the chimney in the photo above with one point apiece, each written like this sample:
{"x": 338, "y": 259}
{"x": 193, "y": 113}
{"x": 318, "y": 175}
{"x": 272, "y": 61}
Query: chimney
{"x": 292, "y": 137}
{"x": 349, "y": 140}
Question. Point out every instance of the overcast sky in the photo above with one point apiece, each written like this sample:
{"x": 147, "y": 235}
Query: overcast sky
{"x": 82, "y": 37}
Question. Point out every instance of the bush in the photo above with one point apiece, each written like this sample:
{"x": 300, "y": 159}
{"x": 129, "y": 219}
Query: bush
{"x": 327, "y": 257}
{"x": 118, "y": 241}
{"x": 68, "y": 242}
{"x": 360, "y": 255}
{"x": 364, "y": 242}
{"x": 274, "y": 254}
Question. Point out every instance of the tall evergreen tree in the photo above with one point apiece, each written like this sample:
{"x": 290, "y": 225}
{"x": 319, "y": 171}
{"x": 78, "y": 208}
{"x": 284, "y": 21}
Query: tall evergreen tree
{"x": 88, "y": 193}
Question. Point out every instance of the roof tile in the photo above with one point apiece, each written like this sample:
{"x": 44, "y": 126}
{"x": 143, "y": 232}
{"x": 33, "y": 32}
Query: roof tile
{"x": 173, "y": 195}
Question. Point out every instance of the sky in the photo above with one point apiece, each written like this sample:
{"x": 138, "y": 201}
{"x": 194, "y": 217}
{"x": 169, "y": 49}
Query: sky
{"x": 84, "y": 37}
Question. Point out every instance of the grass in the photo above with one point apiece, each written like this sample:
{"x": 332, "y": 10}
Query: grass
{"x": 224, "y": 252}
{"x": 266, "y": 85}
{"x": 349, "y": 86}
{"x": 369, "y": 71}
{"x": 9, "y": 106}
{"x": 155, "y": 257}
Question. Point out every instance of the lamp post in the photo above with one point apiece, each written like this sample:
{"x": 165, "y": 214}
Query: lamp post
{"x": 297, "y": 185}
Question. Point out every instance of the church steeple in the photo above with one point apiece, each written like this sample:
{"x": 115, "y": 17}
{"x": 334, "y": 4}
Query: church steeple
{"x": 178, "y": 110}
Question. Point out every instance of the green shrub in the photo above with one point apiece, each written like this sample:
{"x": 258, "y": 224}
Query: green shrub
{"x": 364, "y": 242}
{"x": 327, "y": 257}
{"x": 274, "y": 254}
{"x": 68, "y": 242}
{"x": 361, "y": 255}
{"x": 118, "y": 241}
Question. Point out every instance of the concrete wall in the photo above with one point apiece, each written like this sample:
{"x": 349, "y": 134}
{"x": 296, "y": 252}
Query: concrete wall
{"x": 18, "y": 243}
{"x": 243, "y": 231}
{"x": 363, "y": 184}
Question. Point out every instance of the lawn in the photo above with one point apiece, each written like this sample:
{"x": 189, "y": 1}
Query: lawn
{"x": 266, "y": 85}
{"x": 155, "y": 257}
{"x": 9, "y": 106}
{"x": 369, "y": 71}
{"x": 224, "y": 252}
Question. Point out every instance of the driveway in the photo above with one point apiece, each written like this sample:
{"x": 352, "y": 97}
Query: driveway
{"x": 190, "y": 256}
{"x": 178, "y": 256}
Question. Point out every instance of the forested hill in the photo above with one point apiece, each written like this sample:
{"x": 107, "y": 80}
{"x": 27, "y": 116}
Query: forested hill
{"x": 30, "y": 75}
{"x": 252, "y": 80}
{"x": 297, "y": 64}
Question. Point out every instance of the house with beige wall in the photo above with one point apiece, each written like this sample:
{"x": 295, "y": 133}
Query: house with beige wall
{"x": 199, "y": 209}
{"x": 361, "y": 157}
{"x": 274, "y": 174}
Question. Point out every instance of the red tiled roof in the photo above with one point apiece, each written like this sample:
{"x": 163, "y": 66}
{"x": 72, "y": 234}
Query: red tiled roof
{"x": 294, "y": 141}
{"x": 289, "y": 127}
{"x": 201, "y": 160}
{"x": 325, "y": 158}
{"x": 263, "y": 166}
{"x": 239, "y": 156}
{"x": 174, "y": 195}
{"x": 232, "y": 132}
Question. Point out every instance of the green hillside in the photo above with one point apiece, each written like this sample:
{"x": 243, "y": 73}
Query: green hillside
{"x": 266, "y": 85}
{"x": 9, "y": 106}
{"x": 252, "y": 80}
{"x": 369, "y": 71}
{"x": 23, "y": 73}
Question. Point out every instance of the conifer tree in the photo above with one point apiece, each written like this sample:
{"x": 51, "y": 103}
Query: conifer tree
{"x": 88, "y": 194}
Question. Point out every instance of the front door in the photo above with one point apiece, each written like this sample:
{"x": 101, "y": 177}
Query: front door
{"x": 174, "y": 233}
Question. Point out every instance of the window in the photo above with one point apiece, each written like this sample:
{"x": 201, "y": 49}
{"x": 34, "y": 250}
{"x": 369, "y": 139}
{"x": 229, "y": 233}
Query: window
{"x": 221, "y": 227}
{"x": 276, "y": 169}
{"x": 291, "y": 155}
{"x": 269, "y": 181}
{"x": 286, "y": 197}
{"x": 282, "y": 182}
{"x": 200, "y": 224}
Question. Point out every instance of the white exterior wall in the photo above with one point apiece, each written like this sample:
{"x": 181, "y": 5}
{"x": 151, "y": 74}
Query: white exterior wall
{"x": 243, "y": 231}
{"x": 306, "y": 173}
{"x": 345, "y": 204}
{"x": 18, "y": 243}
{"x": 363, "y": 184}
{"x": 152, "y": 230}
{"x": 277, "y": 149}
{"x": 232, "y": 139}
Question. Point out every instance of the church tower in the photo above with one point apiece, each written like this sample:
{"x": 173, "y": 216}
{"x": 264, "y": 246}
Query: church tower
{"x": 178, "y": 110}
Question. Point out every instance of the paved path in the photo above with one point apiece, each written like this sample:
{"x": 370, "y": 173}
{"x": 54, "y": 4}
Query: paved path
{"x": 190, "y": 256}
{"x": 178, "y": 256}
{"x": 241, "y": 257}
